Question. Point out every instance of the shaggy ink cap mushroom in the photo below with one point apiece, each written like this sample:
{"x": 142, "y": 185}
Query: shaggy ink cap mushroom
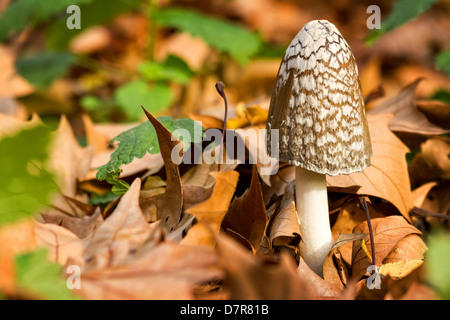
{"x": 318, "y": 107}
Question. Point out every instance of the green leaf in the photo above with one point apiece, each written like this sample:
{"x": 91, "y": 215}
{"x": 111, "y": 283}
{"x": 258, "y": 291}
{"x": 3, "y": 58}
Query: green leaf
{"x": 137, "y": 141}
{"x": 103, "y": 199}
{"x": 42, "y": 278}
{"x": 437, "y": 260}
{"x": 402, "y": 12}
{"x": 43, "y": 68}
{"x": 26, "y": 185}
{"x": 90, "y": 102}
{"x": 119, "y": 186}
{"x": 441, "y": 95}
{"x": 443, "y": 62}
{"x": 21, "y": 13}
{"x": 227, "y": 37}
{"x": 136, "y": 93}
{"x": 173, "y": 69}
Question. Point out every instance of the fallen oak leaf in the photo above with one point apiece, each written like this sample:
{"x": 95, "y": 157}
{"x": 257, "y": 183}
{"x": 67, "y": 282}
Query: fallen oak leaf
{"x": 171, "y": 211}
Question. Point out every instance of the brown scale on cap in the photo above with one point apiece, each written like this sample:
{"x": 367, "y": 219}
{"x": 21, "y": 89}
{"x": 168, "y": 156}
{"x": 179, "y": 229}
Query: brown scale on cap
{"x": 318, "y": 106}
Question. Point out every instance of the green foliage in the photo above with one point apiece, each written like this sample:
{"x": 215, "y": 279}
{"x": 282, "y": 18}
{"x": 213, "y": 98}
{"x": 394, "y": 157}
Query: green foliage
{"x": 402, "y": 12}
{"x": 92, "y": 13}
{"x": 42, "y": 278}
{"x": 173, "y": 69}
{"x": 103, "y": 199}
{"x": 437, "y": 260}
{"x": 133, "y": 94}
{"x": 119, "y": 186}
{"x": 27, "y": 185}
{"x": 136, "y": 142}
{"x": 227, "y": 37}
{"x": 43, "y": 68}
{"x": 441, "y": 95}
{"x": 23, "y": 12}
{"x": 443, "y": 62}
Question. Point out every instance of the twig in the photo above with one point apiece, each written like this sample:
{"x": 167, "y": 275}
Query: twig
{"x": 220, "y": 87}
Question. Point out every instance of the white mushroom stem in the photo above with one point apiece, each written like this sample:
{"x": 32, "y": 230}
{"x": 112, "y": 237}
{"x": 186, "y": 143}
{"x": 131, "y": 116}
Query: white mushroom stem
{"x": 313, "y": 216}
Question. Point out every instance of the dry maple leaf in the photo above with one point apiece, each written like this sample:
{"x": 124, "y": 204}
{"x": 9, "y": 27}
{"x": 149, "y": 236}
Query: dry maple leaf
{"x": 387, "y": 177}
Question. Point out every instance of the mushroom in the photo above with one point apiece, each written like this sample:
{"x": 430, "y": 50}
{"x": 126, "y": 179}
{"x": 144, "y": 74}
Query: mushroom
{"x": 318, "y": 107}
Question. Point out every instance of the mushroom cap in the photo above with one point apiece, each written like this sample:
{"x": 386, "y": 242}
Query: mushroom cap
{"x": 317, "y": 104}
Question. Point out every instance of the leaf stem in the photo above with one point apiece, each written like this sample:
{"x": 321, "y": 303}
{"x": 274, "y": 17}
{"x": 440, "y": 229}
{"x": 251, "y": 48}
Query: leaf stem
{"x": 220, "y": 87}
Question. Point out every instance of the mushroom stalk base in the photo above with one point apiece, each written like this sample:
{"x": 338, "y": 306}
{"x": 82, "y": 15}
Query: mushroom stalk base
{"x": 313, "y": 216}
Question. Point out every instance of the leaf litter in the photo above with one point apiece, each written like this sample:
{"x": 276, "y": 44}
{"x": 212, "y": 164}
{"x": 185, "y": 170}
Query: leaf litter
{"x": 189, "y": 233}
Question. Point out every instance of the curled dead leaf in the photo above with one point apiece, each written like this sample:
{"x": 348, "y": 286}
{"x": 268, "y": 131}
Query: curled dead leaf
{"x": 388, "y": 233}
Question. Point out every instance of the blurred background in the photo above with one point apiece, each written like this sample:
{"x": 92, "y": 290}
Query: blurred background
{"x": 168, "y": 55}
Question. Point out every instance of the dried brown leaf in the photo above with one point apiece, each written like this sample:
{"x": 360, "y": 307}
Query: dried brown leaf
{"x": 284, "y": 228}
{"x": 251, "y": 277}
{"x": 170, "y": 213}
{"x": 432, "y": 163}
{"x": 406, "y": 117}
{"x": 387, "y": 232}
{"x": 165, "y": 271}
{"x": 211, "y": 212}
{"x": 436, "y": 111}
{"x": 61, "y": 242}
{"x": 123, "y": 231}
{"x": 247, "y": 214}
{"x": 81, "y": 227}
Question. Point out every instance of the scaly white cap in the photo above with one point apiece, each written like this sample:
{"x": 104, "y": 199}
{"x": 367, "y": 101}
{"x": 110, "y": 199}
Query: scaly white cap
{"x": 318, "y": 106}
